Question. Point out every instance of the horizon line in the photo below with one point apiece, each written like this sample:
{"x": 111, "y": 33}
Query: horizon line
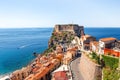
{"x": 53, "y": 27}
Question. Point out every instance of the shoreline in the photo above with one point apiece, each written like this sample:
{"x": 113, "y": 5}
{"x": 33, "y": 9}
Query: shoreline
{"x": 7, "y": 75}
{"x": 4, "y": 76}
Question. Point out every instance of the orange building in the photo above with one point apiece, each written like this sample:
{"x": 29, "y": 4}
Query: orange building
{"x": 44, "y": 72}
{"x": 111, "y": 52}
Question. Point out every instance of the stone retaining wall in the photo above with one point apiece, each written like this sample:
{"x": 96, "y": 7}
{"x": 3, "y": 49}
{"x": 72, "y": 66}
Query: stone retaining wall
{"x": 90, "y": 70}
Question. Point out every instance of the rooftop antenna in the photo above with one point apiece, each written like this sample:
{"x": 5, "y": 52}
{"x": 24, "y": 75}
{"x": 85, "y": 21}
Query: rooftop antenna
{"x": 72, "y": 22}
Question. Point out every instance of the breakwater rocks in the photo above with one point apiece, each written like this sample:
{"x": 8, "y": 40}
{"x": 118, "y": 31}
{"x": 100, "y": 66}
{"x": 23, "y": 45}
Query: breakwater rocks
{"x": 89, "y": 69}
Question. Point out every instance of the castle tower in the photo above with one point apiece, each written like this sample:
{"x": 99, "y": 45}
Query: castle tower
{"x": 73, "y": 28}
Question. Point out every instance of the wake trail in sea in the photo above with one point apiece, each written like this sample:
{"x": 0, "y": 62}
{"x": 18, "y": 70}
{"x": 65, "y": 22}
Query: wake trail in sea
{"x": 23, "y": 46}
{"x": 27, "y": 45}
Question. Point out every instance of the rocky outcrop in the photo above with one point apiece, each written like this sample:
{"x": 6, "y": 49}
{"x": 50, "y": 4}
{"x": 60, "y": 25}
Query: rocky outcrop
{"x": 89, "y": 69}
{"x": 61, "y": 38}
{"x": 64, "y": 34}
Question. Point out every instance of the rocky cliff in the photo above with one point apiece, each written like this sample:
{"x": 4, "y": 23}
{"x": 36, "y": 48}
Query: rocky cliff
{"x": 64, "y": 34}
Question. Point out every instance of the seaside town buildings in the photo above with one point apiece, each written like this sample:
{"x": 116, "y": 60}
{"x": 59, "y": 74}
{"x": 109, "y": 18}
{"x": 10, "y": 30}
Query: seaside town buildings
{"x": 43, "y": 66}
{"x": 105, "y": 46}
{"x": 106, "y": 43}
{"x": 39, "y": 70}
{"x": 62, "y": 73}
{"x": 117, "y": 45}
{"x": 94, "y": 46}
{"x": 55, "y": 65}
{"x": 85, "y": 41}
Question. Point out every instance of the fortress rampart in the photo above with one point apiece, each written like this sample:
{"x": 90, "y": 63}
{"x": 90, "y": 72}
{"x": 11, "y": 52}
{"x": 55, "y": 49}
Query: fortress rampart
{"x": 74, "y": 28}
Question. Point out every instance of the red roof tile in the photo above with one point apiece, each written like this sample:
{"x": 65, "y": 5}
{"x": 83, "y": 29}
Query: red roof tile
{"x": 61, "y": 75}
{"x": 108, "y": 39}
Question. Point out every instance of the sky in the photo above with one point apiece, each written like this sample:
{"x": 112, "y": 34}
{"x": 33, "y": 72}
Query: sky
{"x": 47, "y": 13}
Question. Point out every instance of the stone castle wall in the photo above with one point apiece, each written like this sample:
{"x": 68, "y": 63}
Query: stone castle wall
{"x": 74, "y": 28}
{"x": 90, "y": 70}
{"x": 60, "y": 28}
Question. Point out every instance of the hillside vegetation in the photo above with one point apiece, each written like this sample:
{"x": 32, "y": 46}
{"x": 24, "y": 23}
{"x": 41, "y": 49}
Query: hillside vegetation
{"x": 110, "y": 71}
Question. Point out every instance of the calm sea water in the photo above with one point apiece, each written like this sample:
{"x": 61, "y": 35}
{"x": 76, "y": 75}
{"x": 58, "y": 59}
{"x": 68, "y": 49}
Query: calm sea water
{"x": 17, "y": 45}
{"x": 103, "y": 32}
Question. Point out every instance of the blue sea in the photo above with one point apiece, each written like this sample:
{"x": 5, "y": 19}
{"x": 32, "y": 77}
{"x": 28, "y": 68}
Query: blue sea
{"x": 17, "y": 45}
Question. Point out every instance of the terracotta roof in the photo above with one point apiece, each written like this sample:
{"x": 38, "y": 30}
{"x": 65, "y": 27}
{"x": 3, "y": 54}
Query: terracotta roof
{"x": 68, "y": 58}
{"x": 71, "y": 52}
{"x": 108, "y": 39}
{"x": 30, "y": 77}
{"x": 41, "y": 73}
{"x": 61, "y": 75}
{"x": 87, "y": 35}
{"x": 73, "y": 49}
{"x": 43, "y": 70}
{"x": 95, "y": 42}
{"x": 59, "y": 56}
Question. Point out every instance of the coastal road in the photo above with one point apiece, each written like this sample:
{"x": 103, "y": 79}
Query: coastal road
{"x": 75, "y": 69}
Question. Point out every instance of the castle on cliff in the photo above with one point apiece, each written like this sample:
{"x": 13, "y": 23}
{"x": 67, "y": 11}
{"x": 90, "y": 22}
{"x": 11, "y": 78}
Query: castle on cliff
{"x": 73, "y": 28}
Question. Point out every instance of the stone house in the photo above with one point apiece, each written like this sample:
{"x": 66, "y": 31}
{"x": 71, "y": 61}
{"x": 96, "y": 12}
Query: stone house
{"x": 94, "y": 46}
{"x": 70, "y": 55}
{"x": 114, "y": 51}
{"x": 117, "y": 45}
{"x": 85, "y": 42}
{"x": 108, "y": 43}
{"x": 59, "y": 49}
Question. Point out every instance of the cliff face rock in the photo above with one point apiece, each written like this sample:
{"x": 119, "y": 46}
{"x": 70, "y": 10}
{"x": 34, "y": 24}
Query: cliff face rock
{"x": 61, "y": 38}
{"x": 65, "y": 34}
{"x": 89, "y": 69}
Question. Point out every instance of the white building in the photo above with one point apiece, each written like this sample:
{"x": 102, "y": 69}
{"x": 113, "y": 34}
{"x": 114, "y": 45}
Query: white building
{"x": 106, "y": 43}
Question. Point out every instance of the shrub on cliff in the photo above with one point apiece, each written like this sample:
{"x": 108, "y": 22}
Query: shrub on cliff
{"x": 48, "y": 50}
{"x": 63, "y": 37}
{"x": 95, "y": 57}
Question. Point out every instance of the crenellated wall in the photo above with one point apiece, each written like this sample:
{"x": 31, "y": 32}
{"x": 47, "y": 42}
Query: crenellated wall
{"x": 89, "y": 69}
